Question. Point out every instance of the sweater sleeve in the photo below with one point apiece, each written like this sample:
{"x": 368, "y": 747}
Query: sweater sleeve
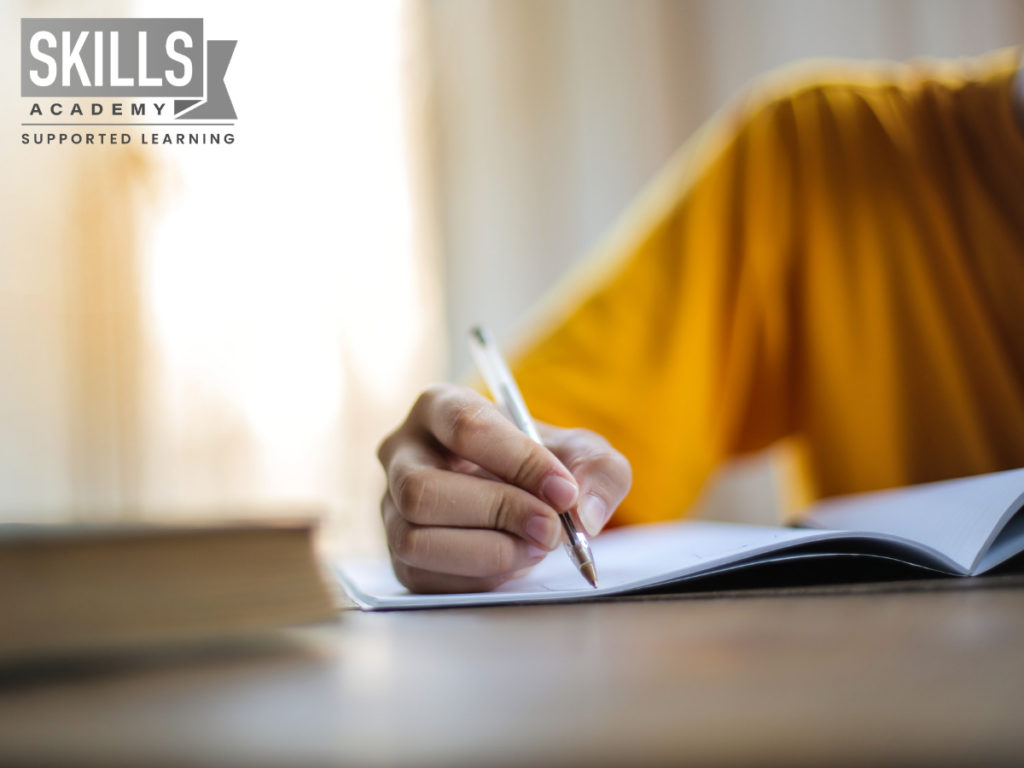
{"x": 672, "y": 340}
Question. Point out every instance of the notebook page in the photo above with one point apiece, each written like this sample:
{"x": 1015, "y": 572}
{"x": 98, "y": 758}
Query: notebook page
{"x": 959, "y": 518}
{"x": 1010, "y": 542}
{"x": 627, "y": 558}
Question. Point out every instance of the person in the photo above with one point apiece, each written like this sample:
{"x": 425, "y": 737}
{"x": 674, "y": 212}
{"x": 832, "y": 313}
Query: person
{"x": 835, "y": 265}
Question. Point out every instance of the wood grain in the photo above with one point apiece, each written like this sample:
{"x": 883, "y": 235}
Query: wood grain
{"x": 840, "y": 676}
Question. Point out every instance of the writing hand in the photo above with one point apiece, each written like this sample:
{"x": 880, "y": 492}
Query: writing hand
{"x": 472, "y": 502}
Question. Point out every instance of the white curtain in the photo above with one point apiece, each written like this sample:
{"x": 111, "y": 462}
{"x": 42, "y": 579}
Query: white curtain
{"x": 222, "y": 330}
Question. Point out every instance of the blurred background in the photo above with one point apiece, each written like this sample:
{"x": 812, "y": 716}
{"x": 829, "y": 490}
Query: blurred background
{"x": 200, "y": 330}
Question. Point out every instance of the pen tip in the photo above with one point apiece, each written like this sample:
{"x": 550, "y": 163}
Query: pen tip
{"x": 589, "y": 573}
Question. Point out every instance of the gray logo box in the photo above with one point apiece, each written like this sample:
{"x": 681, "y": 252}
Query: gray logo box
{"x": 157, "y": 60}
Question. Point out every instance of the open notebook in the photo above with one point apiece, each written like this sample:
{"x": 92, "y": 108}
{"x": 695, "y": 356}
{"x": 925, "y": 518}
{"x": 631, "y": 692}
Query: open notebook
{"x": 958, "y": 527}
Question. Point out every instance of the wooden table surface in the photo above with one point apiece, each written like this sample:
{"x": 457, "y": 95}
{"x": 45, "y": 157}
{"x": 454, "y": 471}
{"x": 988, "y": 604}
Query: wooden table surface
{"x": 839, "y": 676}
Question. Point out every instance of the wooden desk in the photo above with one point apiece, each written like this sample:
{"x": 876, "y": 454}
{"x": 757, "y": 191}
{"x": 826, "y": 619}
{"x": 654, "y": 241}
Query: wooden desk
{"x": 842, "y": 676}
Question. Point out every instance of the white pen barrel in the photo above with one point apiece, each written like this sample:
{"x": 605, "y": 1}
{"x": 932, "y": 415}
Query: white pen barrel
{"x": 499, "y": 380}
{"x": 503, "y": 387}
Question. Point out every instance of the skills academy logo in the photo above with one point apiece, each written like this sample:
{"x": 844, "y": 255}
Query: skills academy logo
{"x": 120, "y": 81}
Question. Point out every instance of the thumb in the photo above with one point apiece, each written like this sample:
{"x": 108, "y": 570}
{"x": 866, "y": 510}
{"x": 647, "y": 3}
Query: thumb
{"x": 602, "y": 473}
{"x": 593, "y": 512}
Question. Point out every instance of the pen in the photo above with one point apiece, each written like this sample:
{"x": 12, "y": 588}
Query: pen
{"x": 503, "y": 387}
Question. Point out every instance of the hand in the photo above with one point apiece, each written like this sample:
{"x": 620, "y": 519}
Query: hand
{"x": 472, "y": 502}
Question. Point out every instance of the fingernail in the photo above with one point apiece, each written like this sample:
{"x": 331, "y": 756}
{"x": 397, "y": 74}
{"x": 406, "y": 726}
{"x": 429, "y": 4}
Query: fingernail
{"x": 558, "y": 491}
{"x": 593, "y": 513}
{"x": 536, "y": 552}
{"x": 544, "y": 530}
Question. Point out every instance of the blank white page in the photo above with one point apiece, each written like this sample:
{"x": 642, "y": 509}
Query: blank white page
{"x": 959, "y": 518}
{"x": 627, "y": 558}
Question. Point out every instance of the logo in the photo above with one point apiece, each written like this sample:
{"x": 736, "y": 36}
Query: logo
{"x": 131, "y": 74}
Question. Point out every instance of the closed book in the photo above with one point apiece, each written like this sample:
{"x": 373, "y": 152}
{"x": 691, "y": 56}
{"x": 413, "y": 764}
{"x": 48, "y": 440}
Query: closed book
{"x": 83, "y": 588}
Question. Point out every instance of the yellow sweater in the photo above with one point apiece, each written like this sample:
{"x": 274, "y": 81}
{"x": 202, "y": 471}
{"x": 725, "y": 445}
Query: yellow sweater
{"x": 836, "y": 263}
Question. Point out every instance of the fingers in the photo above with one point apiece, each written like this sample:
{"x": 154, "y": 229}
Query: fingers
{"x": 431, "y": 582}
{"x": 468, "y": 425}
{"x": 426, "y": 494}
{"x": 473, "y": 502}
{"x": 604, "y": 475}
{"x": 467, "y": 553}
